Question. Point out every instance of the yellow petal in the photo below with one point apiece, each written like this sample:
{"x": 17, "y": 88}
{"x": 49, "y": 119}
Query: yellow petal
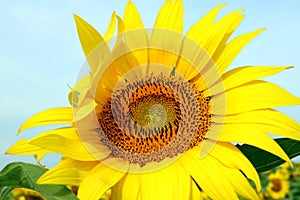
{"x": 240, "y": 184}
{"x": 212, "y": 38}
{"x": 267, "y": 116}
{"x": 136, "y": 37}
{"x": 121, "y": 29}
{"x": 104, "y": 88}
{"x": 126, "y": 61}
{"x": 246, "y": 74}
{"x": 203, "y": 26}
{"x": 164, "y": 53}
{"x": 98, "y": 181}
{"x": 103, "y": 83}
{"x": 68, "y": 172}
{"x": 62, "y": 115}
{"x": 242, "y": 75}
{"x": 232, "y": 157}
{"x": 248, "y": 134}
{"x": 195, "y": 192}
{"x": 88, "y": 35}
{"x": 206, "y": 172}
{"x": 127, "y": 188}
{"x": 65, "y": 141}
{"x": 279, "y": 131}
{"x": 111, "y": 28}
{"x": 170, "y": 16}
{"x": 213, "y": 34}
{"x": 256, "y": 95}
{"x": 86, "y": 108}
{"x": 232, "y": 49}
{"x": 22, "y": 147}
{"x": 232, "y": 174}
{"x": 169, "y": 183}
{"x": 234, "y": 22}
{"x": 167, "y": 28}
{"x": 132, "y": 19}
{"x": 93, "y": 45}
{"x": 268, "y": 120}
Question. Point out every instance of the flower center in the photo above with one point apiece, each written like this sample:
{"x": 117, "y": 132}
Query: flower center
{"x": 153, "y": 118}
{"x": 276, "y": 185}
{"x": 154, "y": 110}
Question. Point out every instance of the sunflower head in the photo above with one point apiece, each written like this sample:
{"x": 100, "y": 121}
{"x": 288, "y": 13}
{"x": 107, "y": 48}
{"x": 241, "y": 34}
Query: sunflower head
{"x": 154, "y": 111}
{"x": 278, "y": 186}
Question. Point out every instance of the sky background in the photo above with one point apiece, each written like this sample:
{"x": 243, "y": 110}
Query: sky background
{"x": 40, "y": 53}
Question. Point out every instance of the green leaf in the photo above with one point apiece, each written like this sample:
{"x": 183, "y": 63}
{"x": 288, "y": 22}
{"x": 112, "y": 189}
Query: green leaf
{"x": 263, "y": 181}
{"x": 24, "y": 175}
{"x": 5, "y": 191}
{"x": 263, "y": 160}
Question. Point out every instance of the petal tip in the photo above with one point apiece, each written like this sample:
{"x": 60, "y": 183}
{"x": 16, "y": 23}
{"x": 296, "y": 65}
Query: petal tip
{"x": 78, "y": 19}
{"x": 129, "y": 3}
{"x": 222, "y": 5}
{"x": 7, "y": 151}
{"x": 41, "y": 181}
{"x": 75, "y": 16}
{"x": 242, "y": 10}
{"x": 10, "y": 150}
{"x": 262, "y": 29}
{"x": 20, "y": 130}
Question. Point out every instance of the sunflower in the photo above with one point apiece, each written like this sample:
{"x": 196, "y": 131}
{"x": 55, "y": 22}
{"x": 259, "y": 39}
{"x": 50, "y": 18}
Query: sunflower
{"x": 283, "y": 171}
{"x": 278, "y": 187}
{"x": 26, "y": 194}
{"x": 154, "y": 112}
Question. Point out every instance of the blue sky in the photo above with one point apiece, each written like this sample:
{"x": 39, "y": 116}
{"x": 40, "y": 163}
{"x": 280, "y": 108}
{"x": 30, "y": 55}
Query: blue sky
{"x": 40, "y": 53}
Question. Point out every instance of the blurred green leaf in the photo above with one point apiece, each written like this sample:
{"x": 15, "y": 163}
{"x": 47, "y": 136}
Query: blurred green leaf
{"x": 263, "y": 180}
{"x": 24, "y": 175}
{"x": 5, "y": 191}
{"x": 263, "y": 160}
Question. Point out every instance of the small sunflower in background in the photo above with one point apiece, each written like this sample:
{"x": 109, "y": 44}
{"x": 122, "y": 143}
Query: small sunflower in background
{"x": 278, "y": 186}
{"x": 156, "y": 112}
{"x": 281, "y": 182}
{"x": 25, "y": 194}
{"x": 284, "y": 172}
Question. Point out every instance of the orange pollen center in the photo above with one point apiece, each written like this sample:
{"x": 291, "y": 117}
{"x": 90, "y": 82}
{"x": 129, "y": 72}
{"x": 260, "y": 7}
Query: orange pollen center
{"x": 153, "y": 118}
{"x": 276, "y": 185}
